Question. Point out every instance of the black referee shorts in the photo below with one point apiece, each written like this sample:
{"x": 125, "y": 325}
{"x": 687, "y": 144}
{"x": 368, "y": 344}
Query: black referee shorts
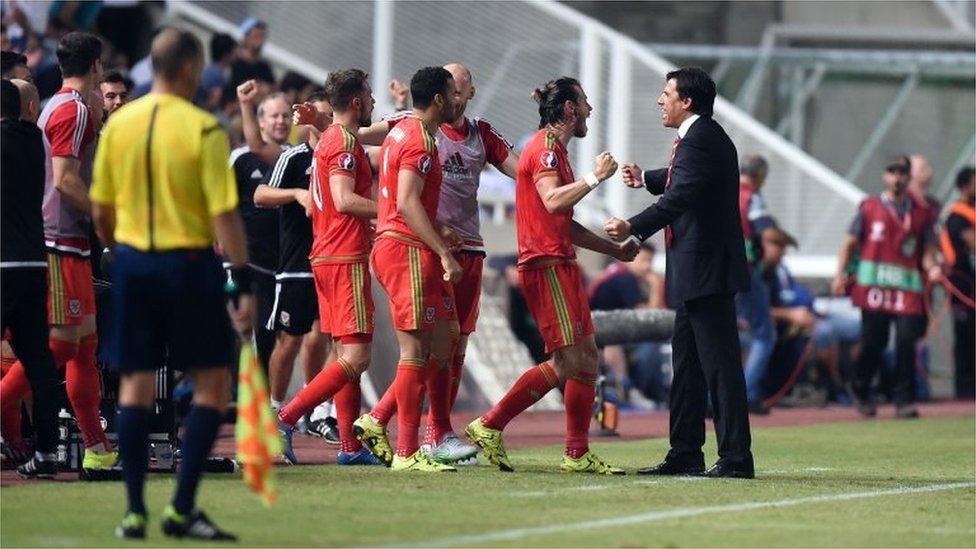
{"x": 168, "y": 307}
{"x": 295, "y": 307}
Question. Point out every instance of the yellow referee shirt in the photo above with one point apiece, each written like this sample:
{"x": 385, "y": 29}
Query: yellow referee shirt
{"x": 162, "y": 163}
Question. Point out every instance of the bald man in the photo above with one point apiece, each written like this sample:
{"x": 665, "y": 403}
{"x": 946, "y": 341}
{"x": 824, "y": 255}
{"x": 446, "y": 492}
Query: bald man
{"x": 921, "y": 180}
{"x": 30, "y": 101}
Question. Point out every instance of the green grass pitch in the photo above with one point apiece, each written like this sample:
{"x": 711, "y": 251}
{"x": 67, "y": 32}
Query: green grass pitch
{"x": 872, "y": 483}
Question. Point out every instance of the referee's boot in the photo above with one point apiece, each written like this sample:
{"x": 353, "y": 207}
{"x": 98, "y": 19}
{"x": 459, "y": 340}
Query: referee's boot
{"x": 195, "y": 525}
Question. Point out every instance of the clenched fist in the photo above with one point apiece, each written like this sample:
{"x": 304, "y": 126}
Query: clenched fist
{"x": 633, "y": 175}
{"x": 247, "y": 91}
{"x": 617, "y": 229}
{"x": 606, "y": 166}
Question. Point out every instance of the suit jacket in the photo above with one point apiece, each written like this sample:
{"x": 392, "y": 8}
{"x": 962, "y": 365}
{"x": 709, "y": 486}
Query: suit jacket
{"x": 707, "y": 254}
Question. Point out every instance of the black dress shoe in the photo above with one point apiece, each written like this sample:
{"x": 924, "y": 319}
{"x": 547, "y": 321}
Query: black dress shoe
{"x": 731, "y": 469}
{"x": 671, "y": 467}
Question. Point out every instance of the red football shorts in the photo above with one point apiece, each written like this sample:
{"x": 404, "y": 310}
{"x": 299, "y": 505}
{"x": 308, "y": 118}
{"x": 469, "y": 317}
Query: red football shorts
{"x": 558, "y": 302}
{"x": 467, "y": 292}
{"x": 414, "y": 281}
{"x": 71, "y": 293}
{"x": 345, "y": 301}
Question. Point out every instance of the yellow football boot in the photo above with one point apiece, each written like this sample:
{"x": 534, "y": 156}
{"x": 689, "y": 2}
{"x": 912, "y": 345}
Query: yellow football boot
{"x": 589, "y": 463}
{"x": 490, "y": 441}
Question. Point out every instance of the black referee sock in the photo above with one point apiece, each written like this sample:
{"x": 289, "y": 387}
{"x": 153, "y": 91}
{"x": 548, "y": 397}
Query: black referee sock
{"x": 202, "y": 424}
{"x": 133, "y": 429}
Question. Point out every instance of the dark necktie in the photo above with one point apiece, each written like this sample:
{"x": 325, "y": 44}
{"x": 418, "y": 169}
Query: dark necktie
{"x": 668, "y": 233}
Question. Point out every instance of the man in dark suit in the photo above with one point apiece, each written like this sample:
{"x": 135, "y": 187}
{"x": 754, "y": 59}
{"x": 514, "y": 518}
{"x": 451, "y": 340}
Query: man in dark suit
{"x": 706, "y": 266}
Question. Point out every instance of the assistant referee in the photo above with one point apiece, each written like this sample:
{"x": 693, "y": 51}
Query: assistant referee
{"x": 162, "y": 192}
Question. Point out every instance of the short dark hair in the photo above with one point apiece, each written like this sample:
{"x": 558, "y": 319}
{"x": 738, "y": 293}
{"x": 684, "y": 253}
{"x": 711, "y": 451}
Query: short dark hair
{"x": 695, "y": 83}
{"x": 318, "y": 94}
{"x": 964, "y": 176}
{"x": 9, "y": 100}
{"x": 293, "y": 81}
{"x": 752, "y": 165}
{"x": 426, "y": 83}
{"x": 221, "y": 45}
{"x": 899, "y": 163}
{"x": 172, "y": 49}
{"x": 77, "y": 53}
{"x": 552, "y": 97}
{"x": 9, "y": 60}
{"x": 116, "y": 77}
{"x": 342, "y": 86}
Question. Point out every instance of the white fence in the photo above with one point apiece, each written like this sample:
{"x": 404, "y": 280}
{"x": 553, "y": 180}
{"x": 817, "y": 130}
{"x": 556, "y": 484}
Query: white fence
{"x": 513, "y": 47}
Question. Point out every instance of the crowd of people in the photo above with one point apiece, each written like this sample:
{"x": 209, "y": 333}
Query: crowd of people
{"x": 144, "y": 164}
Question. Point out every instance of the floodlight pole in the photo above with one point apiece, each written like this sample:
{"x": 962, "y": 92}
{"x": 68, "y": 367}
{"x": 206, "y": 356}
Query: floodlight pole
{"x": 382, "y": 54}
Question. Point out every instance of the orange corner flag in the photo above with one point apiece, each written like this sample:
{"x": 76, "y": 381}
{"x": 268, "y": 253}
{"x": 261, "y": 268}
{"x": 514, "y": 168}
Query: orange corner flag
{"x": 258, "y": 441}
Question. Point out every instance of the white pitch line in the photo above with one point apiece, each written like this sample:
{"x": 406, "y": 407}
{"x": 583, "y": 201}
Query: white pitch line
{"x": 655, "y": 516}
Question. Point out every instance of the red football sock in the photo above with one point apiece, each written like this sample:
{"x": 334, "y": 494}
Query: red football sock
{"x": 386, "y": 407}
{"x": 409, "y": 384}
{"x": 13, "y": 388}
{"x": 456, "y": 371}
{"x": 323, "y": 386}
{"x": 84, "y": 392}
{"x": 347, "y": 404}
{"x": 439, "y": 412}
{"x": 528, "y": 389}
{"x": 578, "y": 397}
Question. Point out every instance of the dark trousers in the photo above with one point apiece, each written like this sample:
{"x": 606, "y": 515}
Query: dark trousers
{"x": 708, "y": 364}
{"x": 964, "y": 349}
{"x": 264, "y": 297}
{"x": 24, "y": 296}
{"x": 875, "y": 331}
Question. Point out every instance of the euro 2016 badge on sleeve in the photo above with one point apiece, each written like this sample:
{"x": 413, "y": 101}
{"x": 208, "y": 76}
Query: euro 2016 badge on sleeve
{"x": 425, "y": 163}
{"x": 549, "y": 159}
{"x": 347, "y": 162}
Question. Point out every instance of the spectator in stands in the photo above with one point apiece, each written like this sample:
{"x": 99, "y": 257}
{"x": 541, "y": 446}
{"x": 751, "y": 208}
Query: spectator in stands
{"x": 295, "y": 87}
{"x": 216, "y": 75}
{"x": 73, "y": 15}
{"x": 919, "y": 183}
{"x": 958, "y": 242}
{"x": 14, "y": 65}
{"x": 116, "y": 90}
{"x": 791, "y": 307}
{"x": 249, "y": 64}
{"x": 753, "y": 306}
{"x": 634, "y": 370}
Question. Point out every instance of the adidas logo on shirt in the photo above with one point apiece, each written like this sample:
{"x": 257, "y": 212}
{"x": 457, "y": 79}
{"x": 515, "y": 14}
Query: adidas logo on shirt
{"x": 454, "y": 165}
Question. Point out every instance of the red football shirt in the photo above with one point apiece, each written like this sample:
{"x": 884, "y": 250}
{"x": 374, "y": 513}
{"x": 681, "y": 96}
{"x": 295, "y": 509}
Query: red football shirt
{"x": 540, "y": 233}
{"x": 334, "y": 234}
{"x": 408, "y": 146}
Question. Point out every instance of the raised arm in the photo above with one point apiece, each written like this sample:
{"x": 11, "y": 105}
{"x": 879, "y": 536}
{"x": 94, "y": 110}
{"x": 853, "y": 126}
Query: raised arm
{"x": 561, "y": 198}
{"x": 267, "y": 152}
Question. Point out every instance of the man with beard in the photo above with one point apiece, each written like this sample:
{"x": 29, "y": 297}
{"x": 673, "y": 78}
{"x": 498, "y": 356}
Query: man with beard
{"x": 895, "y": 240}
{"x": 115, "y": 91}
{"x": 545, "y": 195}
{"x": 341, "y": 207}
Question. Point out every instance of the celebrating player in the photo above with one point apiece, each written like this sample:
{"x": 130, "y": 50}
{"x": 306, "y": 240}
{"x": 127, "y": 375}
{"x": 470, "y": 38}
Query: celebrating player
{"x": 295, "y": 314}
{"x": 341, "y": 207}
{"x": 553, "y": 284}
{"x": 411, "y": 258}
{"x": 464, "y": 146}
